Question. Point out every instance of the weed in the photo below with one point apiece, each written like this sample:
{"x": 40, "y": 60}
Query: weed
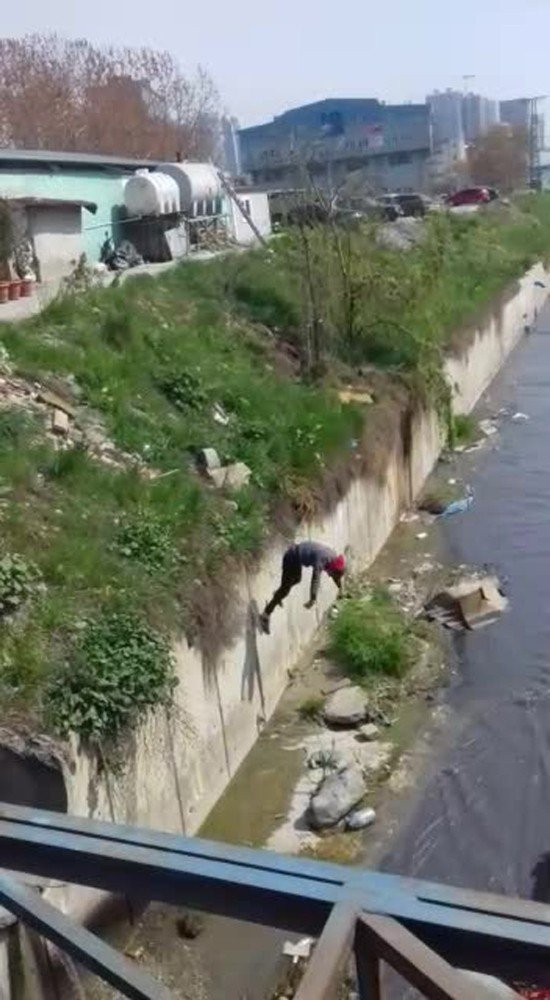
{"x": 464, "y": 430}
{"x": 120, "y": 668}
{"x": 184, "y": 390}
{"x": 370, "y": 637}
{"x": 18, "y": 580}
{"x": 146, "y": 538}
{"x": 311, "y": 708}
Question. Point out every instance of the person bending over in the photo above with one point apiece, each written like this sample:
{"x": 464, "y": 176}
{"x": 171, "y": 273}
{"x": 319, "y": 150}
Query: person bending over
{"x": 307, "y": 554}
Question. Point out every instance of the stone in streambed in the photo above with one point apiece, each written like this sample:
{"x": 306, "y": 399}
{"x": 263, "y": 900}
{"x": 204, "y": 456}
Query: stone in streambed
{"x": 336, "y": 797}
{"x": 346, "y": 707}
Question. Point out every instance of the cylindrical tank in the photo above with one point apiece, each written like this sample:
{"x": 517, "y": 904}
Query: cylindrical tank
{"x": 196, "y": 182}
{"x": 151, "y": 193}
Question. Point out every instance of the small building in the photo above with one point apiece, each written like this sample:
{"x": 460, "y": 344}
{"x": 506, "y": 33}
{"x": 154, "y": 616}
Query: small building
{"x": 54, "y": 229}
{"x": 56, "y": 179}
{"x": 256, "y": 204}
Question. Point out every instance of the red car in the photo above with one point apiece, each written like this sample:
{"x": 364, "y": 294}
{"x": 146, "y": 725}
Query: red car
{"x": 470, "y": 196}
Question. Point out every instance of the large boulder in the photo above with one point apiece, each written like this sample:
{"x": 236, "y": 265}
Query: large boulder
{"x": 336, "y": 797}
{"x": 346, "y": 707}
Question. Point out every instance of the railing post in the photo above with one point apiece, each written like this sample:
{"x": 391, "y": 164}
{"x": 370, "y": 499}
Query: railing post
{"x": 327, "y": 967}
{"x": 367, "y": 965}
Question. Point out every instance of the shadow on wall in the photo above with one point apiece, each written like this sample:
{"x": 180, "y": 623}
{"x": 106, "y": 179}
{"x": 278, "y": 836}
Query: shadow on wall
{"x": 252, "y": 670}
{"x": 27, "y": 781}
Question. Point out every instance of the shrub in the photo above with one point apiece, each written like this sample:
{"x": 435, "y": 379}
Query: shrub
{"x": 120, "y": 668}
{"x": 311, "y": 708}
{"x": 18, "y": 580}
{"x": 146, "y": 538}
{"x": 464, "y": 430}
{"x": 184, "y": 390}
{"x": 369, "y": 637}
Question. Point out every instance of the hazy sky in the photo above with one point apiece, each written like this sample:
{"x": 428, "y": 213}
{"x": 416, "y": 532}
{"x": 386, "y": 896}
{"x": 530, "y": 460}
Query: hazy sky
{"x": 266, "y": 57}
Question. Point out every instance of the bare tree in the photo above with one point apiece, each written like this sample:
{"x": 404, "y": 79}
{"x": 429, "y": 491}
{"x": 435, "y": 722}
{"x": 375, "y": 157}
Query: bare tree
{"x": 500, "y": 158}
{"x": 71, "y": 95}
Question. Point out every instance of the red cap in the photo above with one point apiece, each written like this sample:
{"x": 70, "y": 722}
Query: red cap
{"x": 338, "y": 564}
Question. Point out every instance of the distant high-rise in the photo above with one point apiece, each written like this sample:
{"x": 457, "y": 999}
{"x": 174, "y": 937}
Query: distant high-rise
{"x": 521, "y": 112}
{"x": 230, "y": 146}
{"x": 459, "y": 118}
{"x": 479, "y": 114}
{"x": 446, "y": 114}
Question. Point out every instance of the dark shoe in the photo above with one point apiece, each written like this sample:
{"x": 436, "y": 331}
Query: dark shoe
{"x": 264, "y": 623}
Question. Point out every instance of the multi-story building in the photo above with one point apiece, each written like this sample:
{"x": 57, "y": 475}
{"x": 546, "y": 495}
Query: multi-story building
{"x": 328, "y": 140}
{"x": 446, "y": 114}
{"x": 522, "y": 112}
{"x": 459, "y": 118}
{"x": 479, "y": 114}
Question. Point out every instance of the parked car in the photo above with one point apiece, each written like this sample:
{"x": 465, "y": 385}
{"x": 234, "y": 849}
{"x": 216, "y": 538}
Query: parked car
{"x": 406, "y": 204}
{"x": 469, "y": 196}
{"x": 387, "y": 208}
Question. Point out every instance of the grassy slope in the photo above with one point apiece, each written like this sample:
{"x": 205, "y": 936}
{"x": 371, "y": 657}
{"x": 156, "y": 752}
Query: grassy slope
{"x": 152, "y": 357}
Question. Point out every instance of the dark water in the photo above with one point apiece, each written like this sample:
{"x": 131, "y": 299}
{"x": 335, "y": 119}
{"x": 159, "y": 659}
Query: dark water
{"x": 483, "y": 820}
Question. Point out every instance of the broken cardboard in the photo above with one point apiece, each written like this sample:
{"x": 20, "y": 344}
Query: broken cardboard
{"x": 471, "y": 604}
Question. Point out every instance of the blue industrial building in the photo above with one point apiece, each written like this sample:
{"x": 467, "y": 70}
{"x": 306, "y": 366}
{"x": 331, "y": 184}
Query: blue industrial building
{"x": 390, "y": 144}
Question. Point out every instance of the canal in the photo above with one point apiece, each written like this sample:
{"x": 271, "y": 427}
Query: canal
{"x": 481, "y": 817}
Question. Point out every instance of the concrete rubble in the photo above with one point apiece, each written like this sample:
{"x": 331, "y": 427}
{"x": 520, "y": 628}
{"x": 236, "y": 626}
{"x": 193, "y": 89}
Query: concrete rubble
{"x": 231, "y": 477}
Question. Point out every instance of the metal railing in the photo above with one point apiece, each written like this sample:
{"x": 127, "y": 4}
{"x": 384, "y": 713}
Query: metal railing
{"x": 425, "y": 931}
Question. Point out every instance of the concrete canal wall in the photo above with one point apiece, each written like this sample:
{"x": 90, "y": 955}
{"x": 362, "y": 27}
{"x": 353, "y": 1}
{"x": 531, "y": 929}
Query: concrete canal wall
{"x": 178, "y": 764}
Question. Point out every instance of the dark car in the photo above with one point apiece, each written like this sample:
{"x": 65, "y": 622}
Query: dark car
{"x": 406, "y": 204}
{"x": 469, "y": 196}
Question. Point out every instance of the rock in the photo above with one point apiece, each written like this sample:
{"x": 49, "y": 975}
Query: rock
{"x": 346, "y": 707}
{"x": 369, "y": 732}
{"x": 359, "y": 819}
{"x": 60, "y": 422}
{"x": 190, "y": 926}
{"x": 336, "y": 797}
{"x": 56, "y": 401}
{"x": 231, "y": 477}
{"x": 208, "y": 459}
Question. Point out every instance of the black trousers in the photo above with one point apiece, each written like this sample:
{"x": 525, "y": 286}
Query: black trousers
{"x": 291, "y": 575}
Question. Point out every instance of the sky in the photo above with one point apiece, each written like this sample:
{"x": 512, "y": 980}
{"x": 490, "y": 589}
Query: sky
{"x": 267, "y": 57}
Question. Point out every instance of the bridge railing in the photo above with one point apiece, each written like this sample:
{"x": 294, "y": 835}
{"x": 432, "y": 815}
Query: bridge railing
{"x": 427, "y": 932}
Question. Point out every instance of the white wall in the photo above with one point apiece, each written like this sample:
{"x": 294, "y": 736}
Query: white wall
{"x": 57, "y": 235}
{"x": 179, "y": 764}
{"x": 257, "y": 204}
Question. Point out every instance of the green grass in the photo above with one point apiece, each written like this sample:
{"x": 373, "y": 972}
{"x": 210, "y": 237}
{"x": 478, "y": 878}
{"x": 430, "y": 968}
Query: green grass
{"x": 311, "y": 708}
{"x": 152, "y": 358}
{"x": 370, "y": 638}
{"x": 464, "y": 430}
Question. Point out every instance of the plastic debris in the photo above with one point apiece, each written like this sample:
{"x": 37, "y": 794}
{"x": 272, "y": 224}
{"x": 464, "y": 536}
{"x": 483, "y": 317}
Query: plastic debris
{"x": 298, "y": 949}
{"x": 488, "y": 427}
{"x": 219, "y": 415}
{"x": 421, "y": 535}
{"x": 519, "y": 417}
{"x": 459, "y": 506}
{"x": 360, "y": 818}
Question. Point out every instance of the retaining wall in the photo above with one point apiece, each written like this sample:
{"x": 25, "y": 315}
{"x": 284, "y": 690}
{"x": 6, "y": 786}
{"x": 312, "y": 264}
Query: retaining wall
{"x": 178, "y": 765}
